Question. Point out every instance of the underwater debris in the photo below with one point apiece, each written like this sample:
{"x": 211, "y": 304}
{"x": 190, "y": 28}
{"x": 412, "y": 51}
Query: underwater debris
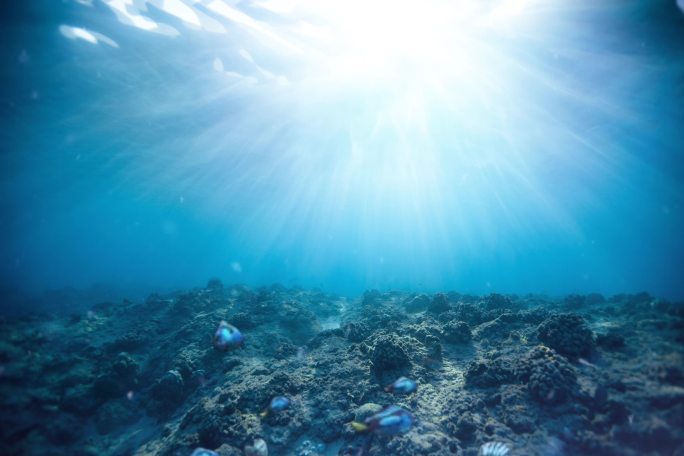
{"x": 402, "y": 385}
{"x": 391, "y": 420}
{"x": 227, "y": 337}
{"x": 257, "y": 448}
{"x": 277, "y": 404}
{"x": 494, "y": 449}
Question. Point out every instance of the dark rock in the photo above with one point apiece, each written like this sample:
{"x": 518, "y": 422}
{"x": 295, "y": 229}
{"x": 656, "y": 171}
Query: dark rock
{"x": 370, "y": 297}
{"x": 356, "y": 331}
{"x": 466, "y": 425}
{"x": 574, "y": 302}
{"x": 64, "y": 430}
{"x": 286, "y": 350}
{"x": 594, "y": 298}
{"x": 497, "y": 301}
{"x": 518, "y": 419}
{"x": 533, "y": 316}
{"x": 227, "y": 450}
{"x": 610, "y": 341}
{"x": 550, "y": 378}
{"x": 389, "y": 352}
{"x": 599, "y": 397}
{"x": 133, "y": 341}
{"x": 243, "y": 320}
{"x": 433, "y": 347}
{"x": 214, "y": 284}
{"x": 105, "y": 388}
{"x": 667, "y": 397}
{"x": 457, "y": 332}
{"x": 648, "y": 435}
{"x": 439, "y": 303}
{"x": 125, "y": 367}
{"x": 568, "y": 334}
{"x": 670, "y": 369}
{"x": 323, "y": 337}
{"x": 417, "y": 303}
{"x": 468, "y": 312}
{"x": 115, "y": 414}
{"x": 299, "y": 323}
{"x": 489, "y": 373}
{"x": 169, "y": 389}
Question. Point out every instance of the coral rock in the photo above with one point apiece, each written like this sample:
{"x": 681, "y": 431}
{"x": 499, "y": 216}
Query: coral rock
{"x": 568, "y": 334}
{"x": 457, "y": 332}
{"x": 550, "y": 378}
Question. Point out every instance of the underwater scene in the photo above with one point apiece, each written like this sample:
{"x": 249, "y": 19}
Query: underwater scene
{"x": 342, "y": 228}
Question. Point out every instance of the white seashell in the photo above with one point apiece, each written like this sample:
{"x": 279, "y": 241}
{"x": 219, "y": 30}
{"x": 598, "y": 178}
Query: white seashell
{"x": 494, "y": 449}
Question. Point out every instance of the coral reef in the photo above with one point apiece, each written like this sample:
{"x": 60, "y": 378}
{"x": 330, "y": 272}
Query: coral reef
{"x": 550, "y": 378}
{"x": 457, "y": 332}
{"x": 568, "y": 334}
{"x": 143, "y": 378}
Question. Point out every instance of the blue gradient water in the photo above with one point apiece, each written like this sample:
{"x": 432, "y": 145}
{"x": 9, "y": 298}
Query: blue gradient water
{"x": 509, "y": 146}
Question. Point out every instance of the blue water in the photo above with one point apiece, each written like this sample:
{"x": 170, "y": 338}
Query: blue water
{"x": 475, "y": 146}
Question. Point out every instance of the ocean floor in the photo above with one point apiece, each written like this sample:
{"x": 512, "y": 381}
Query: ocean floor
{"x": 578, "y": 375}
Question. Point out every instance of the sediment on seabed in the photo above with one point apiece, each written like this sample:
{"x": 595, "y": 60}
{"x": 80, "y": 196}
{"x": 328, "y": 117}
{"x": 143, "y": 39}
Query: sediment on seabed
{"x": 578, "y": 375}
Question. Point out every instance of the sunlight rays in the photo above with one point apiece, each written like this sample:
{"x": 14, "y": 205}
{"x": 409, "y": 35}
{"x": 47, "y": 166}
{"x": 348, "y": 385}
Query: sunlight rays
{"x": 406, "y": 130}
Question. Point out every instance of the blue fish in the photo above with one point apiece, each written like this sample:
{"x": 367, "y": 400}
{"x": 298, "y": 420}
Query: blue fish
{"x": 402, "y": 385}
{"x": 391, "y": 420}
{"x": 278, "y": 404}
{"x": 227, "y": 337}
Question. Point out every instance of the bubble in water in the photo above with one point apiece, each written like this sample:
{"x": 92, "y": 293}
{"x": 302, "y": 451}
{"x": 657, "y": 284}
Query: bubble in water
{"x": 236, "y": 267}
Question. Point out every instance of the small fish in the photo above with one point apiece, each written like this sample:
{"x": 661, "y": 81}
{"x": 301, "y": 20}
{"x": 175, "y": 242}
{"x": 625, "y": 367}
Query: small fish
{"x": 227, "y": 337}
{"x": 278, "y": 404}
{"x": 494, "y": 449}
{"x": 402, "y": 385}
{"x": 391, "y": 420}
{"x": 204, "y": 452}
{"x": 258, "y": 448}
